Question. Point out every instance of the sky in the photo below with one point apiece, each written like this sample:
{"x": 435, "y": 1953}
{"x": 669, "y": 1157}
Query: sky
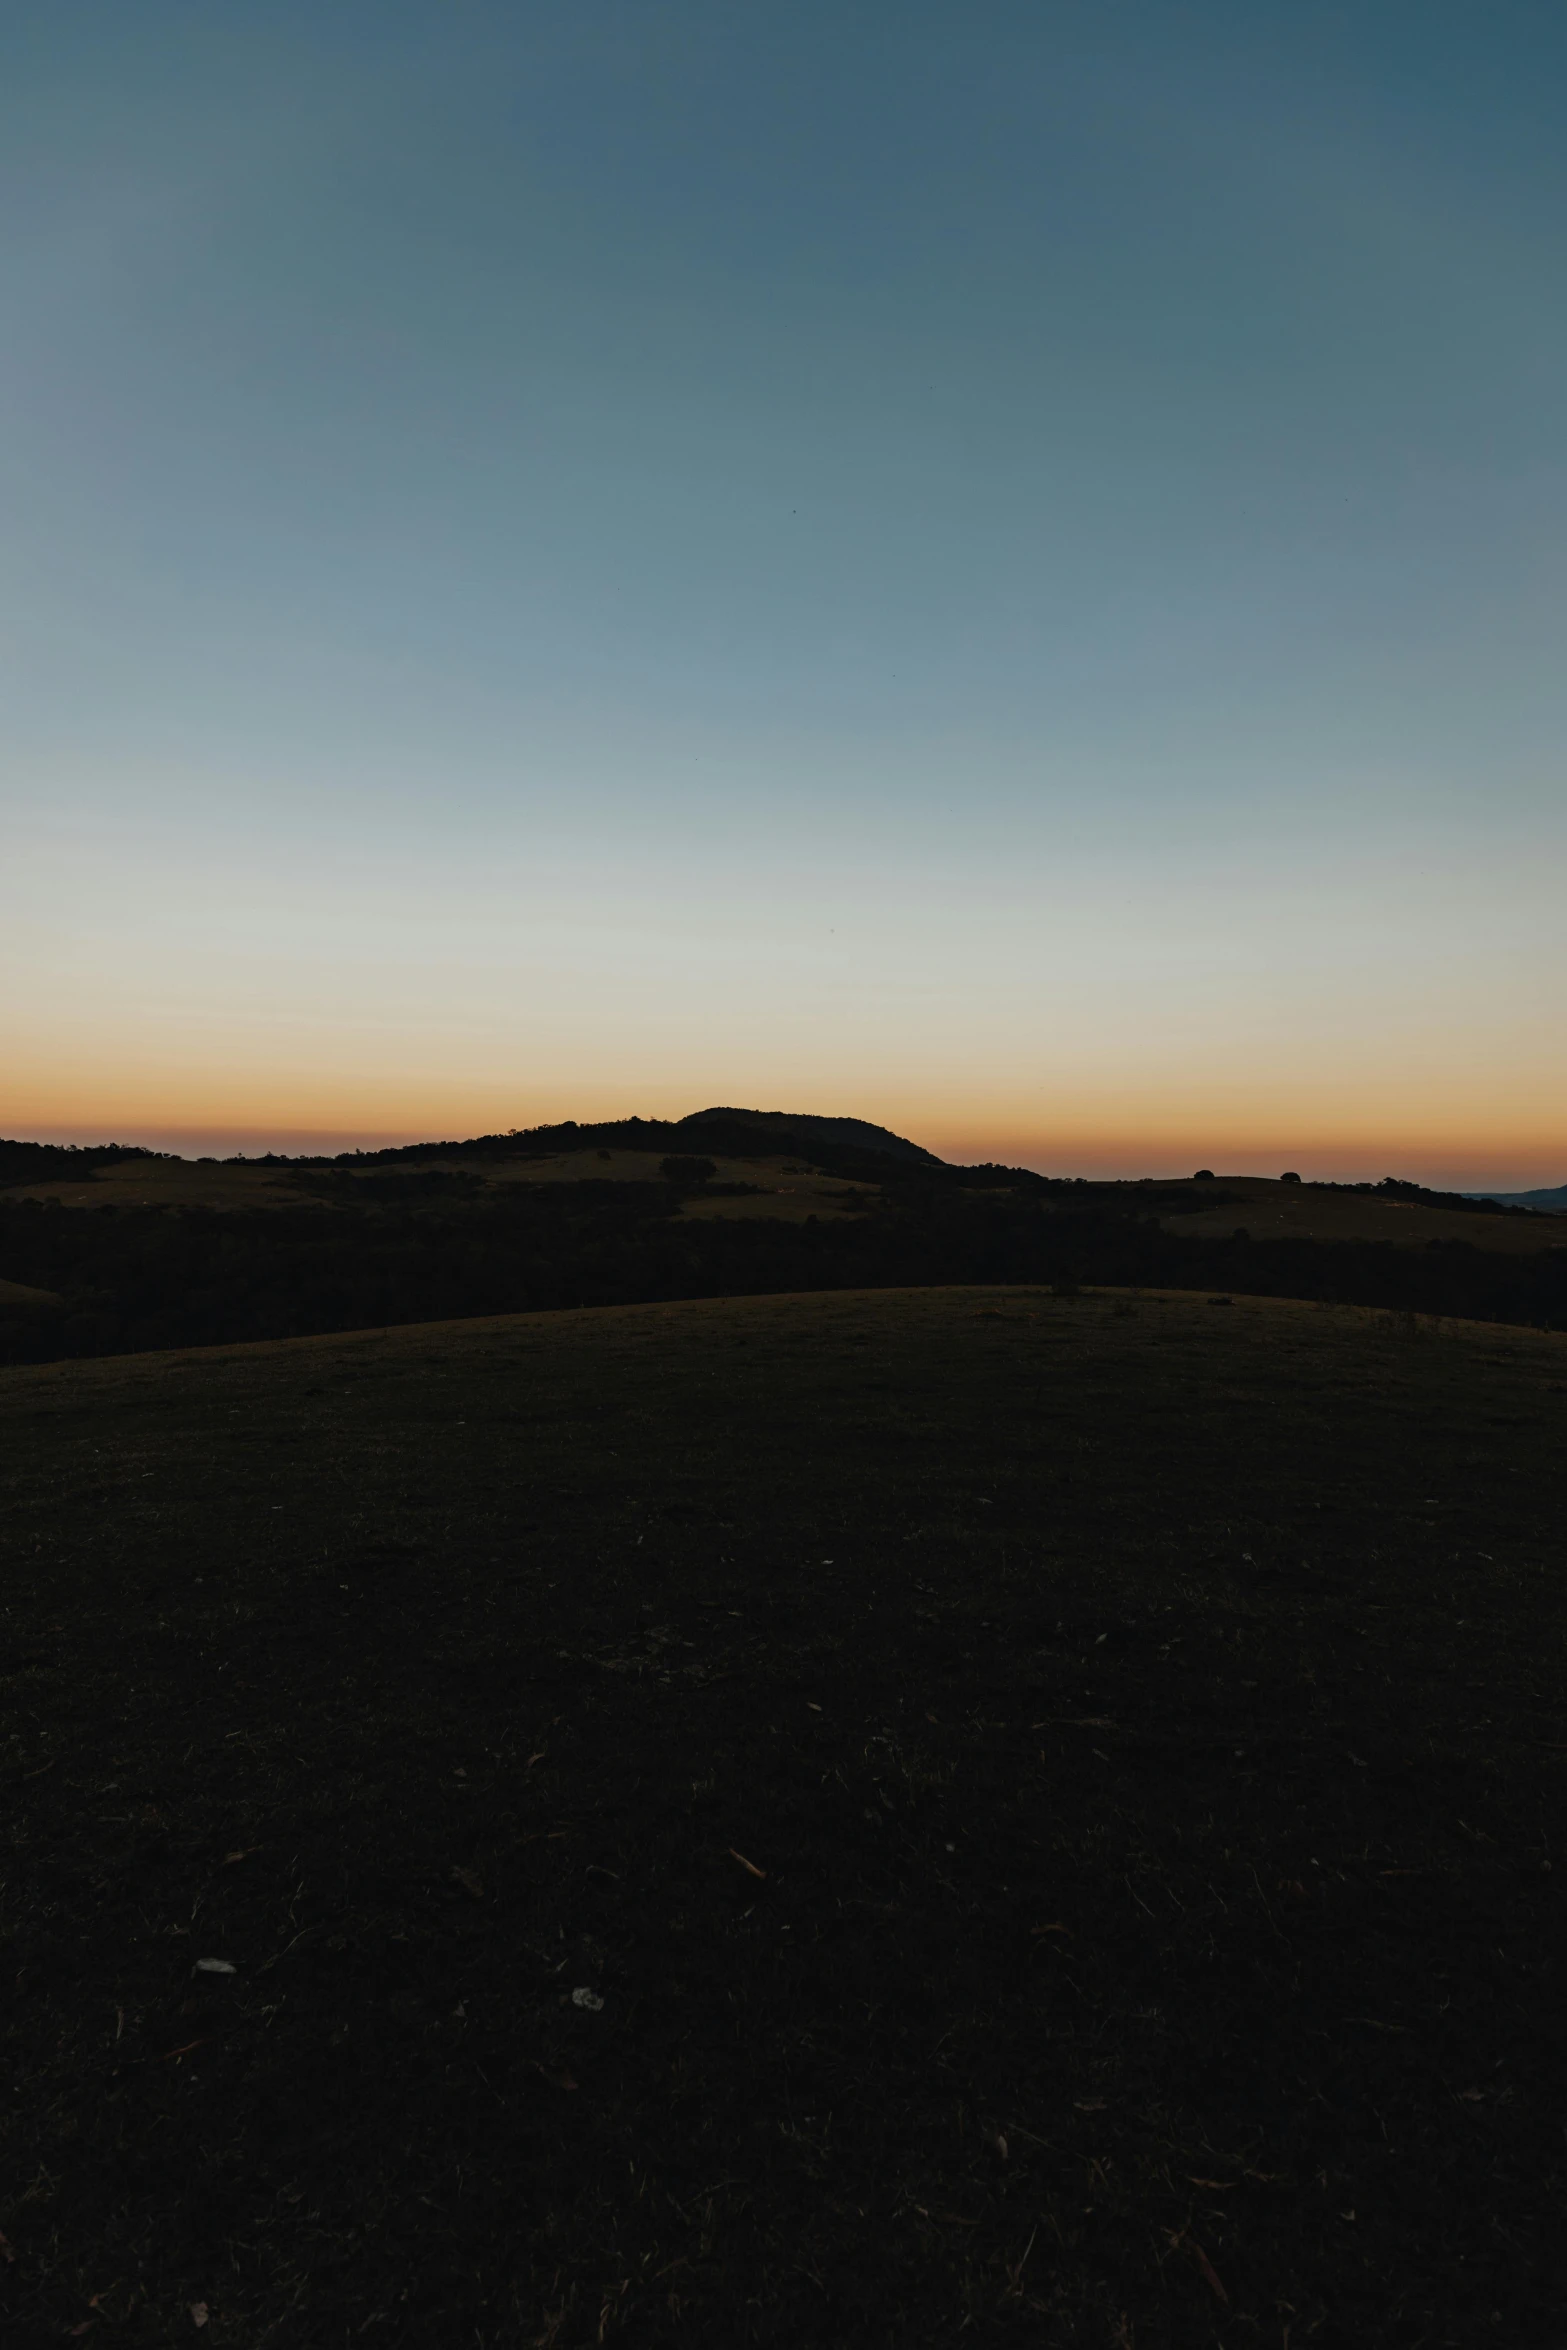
{"x": 998, "y": 569}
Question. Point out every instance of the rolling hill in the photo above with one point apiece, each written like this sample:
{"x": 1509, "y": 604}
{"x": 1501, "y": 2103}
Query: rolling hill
{"x": 790, "y": 1820}
{"x": 131, "y": 1249}
{"x": 776, "y": 1130}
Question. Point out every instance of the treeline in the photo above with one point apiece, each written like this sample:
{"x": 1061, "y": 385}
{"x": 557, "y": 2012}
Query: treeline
{"x": 1464, "y": 1202}
{"x": 435, "y": 1245}
{"x": 64, "y": 1162}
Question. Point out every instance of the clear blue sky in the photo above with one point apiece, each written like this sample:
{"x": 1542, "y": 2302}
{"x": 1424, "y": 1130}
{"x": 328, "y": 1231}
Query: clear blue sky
{"x": 994, "y": 567}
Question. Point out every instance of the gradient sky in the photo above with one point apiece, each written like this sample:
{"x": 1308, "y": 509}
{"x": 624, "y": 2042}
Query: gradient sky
{"x": 998, "y": 569}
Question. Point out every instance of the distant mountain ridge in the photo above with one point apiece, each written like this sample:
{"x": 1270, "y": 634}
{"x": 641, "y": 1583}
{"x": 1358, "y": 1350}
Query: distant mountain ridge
{"x": 1551, "y": 1202}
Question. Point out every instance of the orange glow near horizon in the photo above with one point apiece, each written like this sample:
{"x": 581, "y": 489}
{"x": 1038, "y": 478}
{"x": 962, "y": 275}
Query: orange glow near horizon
{"x": 1151, "y": 1025}
{"x": 1077, "y": 1135}
{"x": 664, "y": 636}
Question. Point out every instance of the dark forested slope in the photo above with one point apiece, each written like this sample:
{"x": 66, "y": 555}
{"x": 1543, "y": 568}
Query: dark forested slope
{"x": 291, "y": 1248}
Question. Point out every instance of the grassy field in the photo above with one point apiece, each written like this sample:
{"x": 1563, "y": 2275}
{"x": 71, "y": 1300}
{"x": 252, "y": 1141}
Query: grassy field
{"x": 1271, "y": 1210}
{"x": 817, "y": 1819}
{"x": 777, "y": 1187}
{"x": 170, "y": 1183}
{"x": 789, "y": 1189}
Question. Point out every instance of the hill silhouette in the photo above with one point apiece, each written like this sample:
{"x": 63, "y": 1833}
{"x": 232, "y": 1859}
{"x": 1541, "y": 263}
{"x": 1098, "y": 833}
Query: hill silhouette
{"x": 1550, "y": 1202}
{"x": 803, "y": 1130}
{"x": 730, "y": 1133}
{"x": 116, "y": 1250}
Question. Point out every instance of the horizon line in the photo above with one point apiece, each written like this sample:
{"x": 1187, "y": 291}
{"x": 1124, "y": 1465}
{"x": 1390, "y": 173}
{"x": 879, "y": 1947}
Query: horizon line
{"x": 236, "y": 1143}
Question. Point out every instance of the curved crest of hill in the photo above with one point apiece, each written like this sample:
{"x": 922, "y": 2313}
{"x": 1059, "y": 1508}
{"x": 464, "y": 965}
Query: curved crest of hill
{"x": 800, "y": 1130}
{"x": 841, "y": 1143}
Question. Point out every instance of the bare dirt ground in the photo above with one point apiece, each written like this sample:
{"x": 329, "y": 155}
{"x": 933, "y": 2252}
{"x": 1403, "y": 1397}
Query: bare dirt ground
{"x": 825, "y": 1819}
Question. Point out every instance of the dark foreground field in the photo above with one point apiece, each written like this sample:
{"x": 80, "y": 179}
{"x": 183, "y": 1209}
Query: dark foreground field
{"x": 843, "y": 1819}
